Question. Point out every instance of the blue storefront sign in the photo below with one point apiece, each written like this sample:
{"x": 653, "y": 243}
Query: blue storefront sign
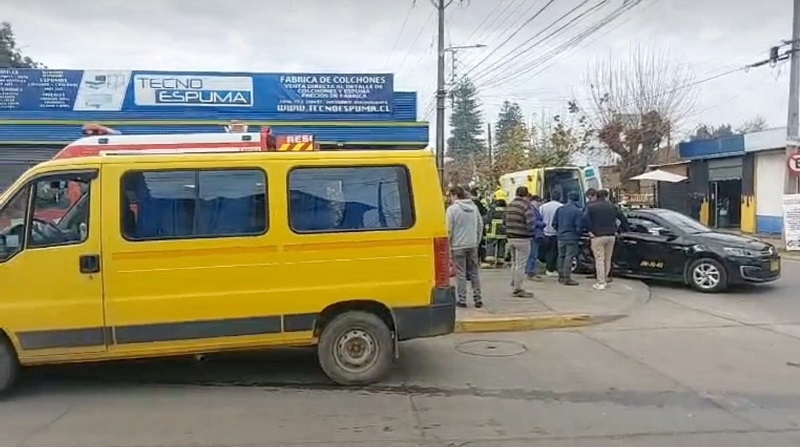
{"x": 28, "y": 90}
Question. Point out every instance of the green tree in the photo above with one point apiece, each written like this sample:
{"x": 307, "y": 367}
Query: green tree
{"x": 509, "y": 120}
{"x": 465, "y": 145}
{"x": 557, "y": 139}
{"x": 10, "y": 54}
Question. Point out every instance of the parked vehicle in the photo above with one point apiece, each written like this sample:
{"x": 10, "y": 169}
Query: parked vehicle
{"x": 182, "y": 251}
{"x": 665, "y": 244}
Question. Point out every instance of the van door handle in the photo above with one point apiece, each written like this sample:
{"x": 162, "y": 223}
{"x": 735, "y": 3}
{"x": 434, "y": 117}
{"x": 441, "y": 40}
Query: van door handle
{"x": 89, "y": 264}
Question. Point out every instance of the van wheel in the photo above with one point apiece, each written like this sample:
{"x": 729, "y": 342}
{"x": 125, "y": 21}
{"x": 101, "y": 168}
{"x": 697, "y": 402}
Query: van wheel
{"x": 355, "y": 349}
{"x": 708, "y": 275}
{"x": 9, "y": 367}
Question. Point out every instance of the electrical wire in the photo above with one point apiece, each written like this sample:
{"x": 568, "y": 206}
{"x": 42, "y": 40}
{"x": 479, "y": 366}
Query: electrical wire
{"x": 502, "y": 63}
{"x": 399, "y": 35}
{"x": 571, "y": 43}
{"x": 562, "y": 56}
{"x": 416, "y": 39}
{"x": 506, "y": 23}
{"x": 517, "y": 31}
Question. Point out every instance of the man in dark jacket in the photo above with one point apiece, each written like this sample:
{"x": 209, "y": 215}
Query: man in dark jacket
{"x": 536, "y": 240}
{"x": 567, "y": 222}
{"x": 519, "y": 221}
{"x": 600, "y": 220}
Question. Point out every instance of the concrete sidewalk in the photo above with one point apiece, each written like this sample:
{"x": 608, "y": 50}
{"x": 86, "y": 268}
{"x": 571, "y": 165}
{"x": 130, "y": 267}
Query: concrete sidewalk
{"x": 552, "y": 306}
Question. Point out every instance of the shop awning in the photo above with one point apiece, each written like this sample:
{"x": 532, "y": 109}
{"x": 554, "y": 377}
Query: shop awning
{"x": 660, "y": 176}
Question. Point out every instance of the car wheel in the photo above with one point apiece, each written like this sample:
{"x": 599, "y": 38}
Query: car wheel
{"x": 9, "y": 367}
{"x": 708, "y": 275}
{"x": 356, "y": 348}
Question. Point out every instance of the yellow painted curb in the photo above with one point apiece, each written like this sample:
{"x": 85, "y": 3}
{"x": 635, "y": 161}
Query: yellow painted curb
{"x": 521, "y": 323}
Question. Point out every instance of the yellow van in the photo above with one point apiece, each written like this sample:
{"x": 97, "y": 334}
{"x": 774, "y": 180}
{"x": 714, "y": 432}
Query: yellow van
{"x": 167, "y": 254}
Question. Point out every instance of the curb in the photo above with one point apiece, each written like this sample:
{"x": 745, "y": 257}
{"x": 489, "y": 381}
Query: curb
{"x": 520, "y": 323}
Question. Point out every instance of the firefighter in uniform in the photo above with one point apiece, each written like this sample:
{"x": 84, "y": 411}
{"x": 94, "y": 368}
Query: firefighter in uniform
{"x": 496, "y": 235}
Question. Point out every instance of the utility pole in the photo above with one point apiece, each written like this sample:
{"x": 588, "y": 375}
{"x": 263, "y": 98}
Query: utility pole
{"x": 793, "y": 119}
{"x": 441, "y": 94}
{"x": 489, "y": 141}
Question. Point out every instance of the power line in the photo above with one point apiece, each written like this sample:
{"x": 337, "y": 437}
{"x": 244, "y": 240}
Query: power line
{"x": 507, "y": 22}
{"x": 502, "y": 61}
{"x": 416, "y": 39}
{"x": 572, "y": 42}
{"x": 399, "y": 34}
{"x": 531, "y": 19}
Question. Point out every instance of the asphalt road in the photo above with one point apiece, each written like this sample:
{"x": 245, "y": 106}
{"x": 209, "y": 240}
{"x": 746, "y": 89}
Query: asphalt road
{"x": 685, "y": 369}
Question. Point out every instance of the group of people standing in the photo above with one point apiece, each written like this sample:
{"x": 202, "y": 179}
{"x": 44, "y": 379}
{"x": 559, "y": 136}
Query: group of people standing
{"x": 550, "y": 231}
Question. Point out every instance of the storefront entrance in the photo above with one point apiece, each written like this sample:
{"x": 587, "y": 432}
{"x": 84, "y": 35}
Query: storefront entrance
{"x": 725, "y": 188}
{"x": 726, "y": 199}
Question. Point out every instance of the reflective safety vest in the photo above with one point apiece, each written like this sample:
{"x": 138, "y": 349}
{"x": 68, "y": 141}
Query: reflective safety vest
{"x": 496, "y": 228}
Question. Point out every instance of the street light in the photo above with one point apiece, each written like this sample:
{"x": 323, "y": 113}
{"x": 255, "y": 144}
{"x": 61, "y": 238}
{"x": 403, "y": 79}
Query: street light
{"x": 441, "y": 93}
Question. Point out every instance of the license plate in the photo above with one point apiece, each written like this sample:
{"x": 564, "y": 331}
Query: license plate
{"x": 775, "y": 265}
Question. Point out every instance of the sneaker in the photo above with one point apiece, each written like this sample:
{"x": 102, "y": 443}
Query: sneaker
{"x": 461, "y": 305}
{"x": 551, "y": 274}
{"x": 478, "y": 304}
{"x": 599, "y": 286}
{"x": 535, "y": 278}
{"x": 519, "y": 293}
{"x": 570, "y": 282}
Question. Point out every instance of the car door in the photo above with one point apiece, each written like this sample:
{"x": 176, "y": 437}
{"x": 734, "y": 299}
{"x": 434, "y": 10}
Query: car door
{"x": 50, "y": 267}
{"x": 654, "y": 249}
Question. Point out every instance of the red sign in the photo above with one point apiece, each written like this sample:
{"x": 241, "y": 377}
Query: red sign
{"x": 794, "y": 163}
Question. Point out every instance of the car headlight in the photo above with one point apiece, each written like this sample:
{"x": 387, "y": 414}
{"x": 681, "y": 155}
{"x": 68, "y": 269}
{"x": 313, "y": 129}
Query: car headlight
{"x": 743, "y": 252}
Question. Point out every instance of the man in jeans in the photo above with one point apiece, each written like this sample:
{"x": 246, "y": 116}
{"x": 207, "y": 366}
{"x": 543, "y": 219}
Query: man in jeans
{"x": 601, "y": 220}
{"x": 548, "y": 211}
{"x": 536, "y": 240}
{"x": 519, "y": 222}
{"x": 465, "y": 228}
{"x": 568, "y": 224}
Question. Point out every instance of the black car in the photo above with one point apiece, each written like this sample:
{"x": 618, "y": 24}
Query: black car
{"x": 664, "y": 244}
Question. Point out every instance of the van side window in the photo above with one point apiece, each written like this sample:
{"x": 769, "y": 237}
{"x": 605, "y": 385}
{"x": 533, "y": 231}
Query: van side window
{"x": 187, "y": 204}
{"x": 364, "y": 198}
{"x": 12, "y": 224}
{"x": 60, "y": 212}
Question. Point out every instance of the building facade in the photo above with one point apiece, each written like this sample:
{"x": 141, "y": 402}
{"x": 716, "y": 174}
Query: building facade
{"x": 738, "y": 180}
{"x": 42, "y": 110}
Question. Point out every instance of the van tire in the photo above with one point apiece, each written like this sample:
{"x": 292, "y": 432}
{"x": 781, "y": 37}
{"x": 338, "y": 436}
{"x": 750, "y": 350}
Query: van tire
{"x": 9, "y": 367}
{"x": 351, "y": 338}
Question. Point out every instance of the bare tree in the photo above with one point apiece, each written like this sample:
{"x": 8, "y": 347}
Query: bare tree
{"x": 634, "y": 101}
{"x": 754, "y": 124}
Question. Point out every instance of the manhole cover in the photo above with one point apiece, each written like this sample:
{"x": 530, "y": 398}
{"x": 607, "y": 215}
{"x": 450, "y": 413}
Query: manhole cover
{"x": 491, "y": 348}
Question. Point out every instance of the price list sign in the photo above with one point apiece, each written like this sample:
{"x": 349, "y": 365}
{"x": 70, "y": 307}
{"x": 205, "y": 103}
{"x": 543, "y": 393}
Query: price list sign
{"x": 33, "y": 90}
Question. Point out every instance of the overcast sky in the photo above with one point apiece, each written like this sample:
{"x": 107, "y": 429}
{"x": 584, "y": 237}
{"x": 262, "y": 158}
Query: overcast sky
{"x": 713, "y": 36}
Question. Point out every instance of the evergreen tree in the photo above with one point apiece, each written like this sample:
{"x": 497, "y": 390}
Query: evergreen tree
{"x": 10, "y": 54}
{"x": 512, "y": 138}
{"x": 465, "y": 143}
{"x": 509, "y": 120}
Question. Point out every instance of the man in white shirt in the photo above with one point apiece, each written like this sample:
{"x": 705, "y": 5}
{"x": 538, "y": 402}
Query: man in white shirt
{"x": 548, "y": 211}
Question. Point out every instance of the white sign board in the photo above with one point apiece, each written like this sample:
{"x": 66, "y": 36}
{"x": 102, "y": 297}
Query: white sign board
{"x": 791, "y": 221}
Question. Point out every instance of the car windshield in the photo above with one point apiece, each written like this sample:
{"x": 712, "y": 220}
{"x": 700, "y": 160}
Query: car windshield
{"x": 682, "y": 222}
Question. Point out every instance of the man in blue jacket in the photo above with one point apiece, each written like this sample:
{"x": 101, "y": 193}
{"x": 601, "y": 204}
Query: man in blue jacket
{"x": 568, "y": 224}
{"x": 536, "y": 240}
